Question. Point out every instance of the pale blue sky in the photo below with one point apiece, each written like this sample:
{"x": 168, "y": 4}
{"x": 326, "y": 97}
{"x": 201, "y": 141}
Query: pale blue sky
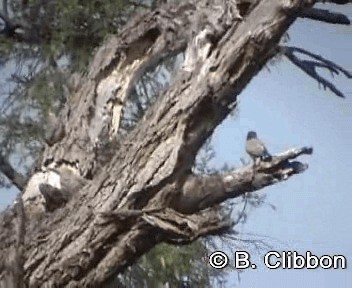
{"x": 287, "y": 109}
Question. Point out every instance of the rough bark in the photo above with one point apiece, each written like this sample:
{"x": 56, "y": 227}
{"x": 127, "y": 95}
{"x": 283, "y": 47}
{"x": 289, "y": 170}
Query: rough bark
{"x": 138, "y": 190}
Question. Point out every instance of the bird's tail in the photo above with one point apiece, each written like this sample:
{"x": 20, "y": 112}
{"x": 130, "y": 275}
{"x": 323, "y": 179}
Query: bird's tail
{"x": 267, "y": 156}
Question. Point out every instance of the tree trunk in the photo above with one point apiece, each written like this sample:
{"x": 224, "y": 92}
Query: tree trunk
{"x": 124, "y": 195}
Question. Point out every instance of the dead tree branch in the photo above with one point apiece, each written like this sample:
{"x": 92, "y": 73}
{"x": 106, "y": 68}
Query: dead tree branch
{"x": 309, "y": 67}
{"x": 15, "y": 177}
{"x": 325, "y": 16}
{"x": 200, "y": 192}
{"x": 338, "y": 2}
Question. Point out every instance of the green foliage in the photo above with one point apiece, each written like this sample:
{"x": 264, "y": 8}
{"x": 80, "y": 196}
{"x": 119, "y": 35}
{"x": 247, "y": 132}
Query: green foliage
{"x": 71, "y": 28}
{"x": 168, "y": 264}
{"x": 46, "y": 90}
{"x": 172, "y": 266}
{"x": 80, "y": 26}
{"x": 5, "y": 50}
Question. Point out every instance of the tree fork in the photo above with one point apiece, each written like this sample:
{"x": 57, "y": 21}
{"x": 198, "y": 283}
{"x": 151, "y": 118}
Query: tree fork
{"x": 81, "y": 244}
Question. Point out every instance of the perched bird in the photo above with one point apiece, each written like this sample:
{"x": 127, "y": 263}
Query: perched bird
{"x": 256, "y": 148}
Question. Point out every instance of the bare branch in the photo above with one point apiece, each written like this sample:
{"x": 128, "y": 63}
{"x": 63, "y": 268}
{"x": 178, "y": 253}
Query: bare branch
{"x": 181, "y": 229}
{"x": 202, "y": 192}
{"x": 325, "y": 16}
{"x": 136, "y": 4}
{"x": 338, "y": 2}
{"x": 15, "y": 177}
{"x": 309, "y": 67}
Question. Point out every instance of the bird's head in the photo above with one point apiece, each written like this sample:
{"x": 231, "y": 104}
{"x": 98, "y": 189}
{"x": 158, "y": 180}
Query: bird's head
{"x": 251, "y": 135}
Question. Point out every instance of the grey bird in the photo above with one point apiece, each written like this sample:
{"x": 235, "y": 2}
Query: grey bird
{"x": 256, "y": 148}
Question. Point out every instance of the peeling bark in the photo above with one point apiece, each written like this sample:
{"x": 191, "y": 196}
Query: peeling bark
{"x": 139, "y": 190}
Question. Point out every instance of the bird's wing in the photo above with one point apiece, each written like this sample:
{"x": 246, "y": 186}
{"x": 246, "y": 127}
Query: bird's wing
{"x": 255, "y": 148}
